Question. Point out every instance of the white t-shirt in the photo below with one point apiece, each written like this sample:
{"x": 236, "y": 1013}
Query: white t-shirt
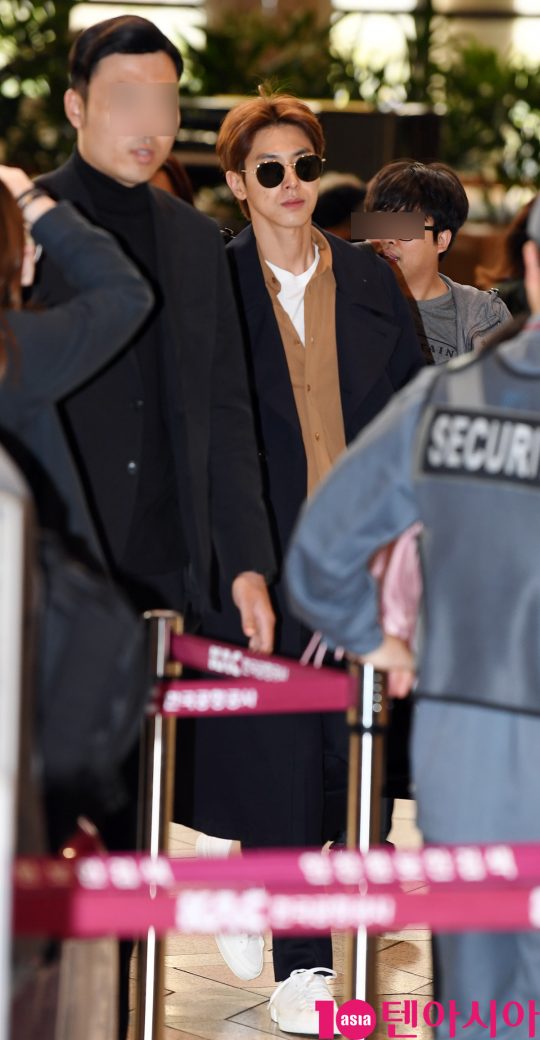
{"x": 291, "y": 294}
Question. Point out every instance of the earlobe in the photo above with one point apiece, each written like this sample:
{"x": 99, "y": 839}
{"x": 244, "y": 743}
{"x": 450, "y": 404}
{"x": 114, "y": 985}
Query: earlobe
{"x": 444, "y": 239}
{"x": 74, "y": 108}
{"x": 236, "y": 184}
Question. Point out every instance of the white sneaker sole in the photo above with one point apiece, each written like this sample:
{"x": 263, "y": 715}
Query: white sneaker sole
{"x": 209, "y": 847}
{"x": 291, "y": 1027}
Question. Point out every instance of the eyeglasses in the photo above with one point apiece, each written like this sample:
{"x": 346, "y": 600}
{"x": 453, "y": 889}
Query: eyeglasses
{"x": 427, "y": 227}
{"x": 271, "y": 172}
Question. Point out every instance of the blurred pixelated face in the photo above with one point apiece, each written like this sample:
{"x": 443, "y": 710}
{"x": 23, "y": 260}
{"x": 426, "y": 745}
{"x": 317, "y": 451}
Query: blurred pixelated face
{"x": 127, "y": 123}
{"x": 290, "y": 203}
{"x": 415, "y": 257}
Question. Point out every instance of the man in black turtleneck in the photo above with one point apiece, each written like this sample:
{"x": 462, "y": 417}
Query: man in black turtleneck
{"x": 163, "y": 436}
{"x": 147, "y": 544}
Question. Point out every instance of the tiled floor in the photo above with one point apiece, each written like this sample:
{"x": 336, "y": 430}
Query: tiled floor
{"x": 205, "y": 1001}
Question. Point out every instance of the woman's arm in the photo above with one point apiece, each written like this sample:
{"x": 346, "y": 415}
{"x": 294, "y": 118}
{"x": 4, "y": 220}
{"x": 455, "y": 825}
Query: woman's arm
{"x": 19, "y": 184}
{"x": 63, "y": 346}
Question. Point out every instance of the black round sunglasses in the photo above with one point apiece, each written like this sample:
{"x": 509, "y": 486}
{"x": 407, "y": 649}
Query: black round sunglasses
{"x": 271, "y": 172}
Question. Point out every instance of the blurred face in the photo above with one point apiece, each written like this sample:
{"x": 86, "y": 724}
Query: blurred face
{"x": 417, "y": 258}
{"x": 289, "y": 204}
{"x": 128, "y": 121}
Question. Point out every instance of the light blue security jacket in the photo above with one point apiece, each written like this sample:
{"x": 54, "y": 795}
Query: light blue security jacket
{"x": 459, "y": 450}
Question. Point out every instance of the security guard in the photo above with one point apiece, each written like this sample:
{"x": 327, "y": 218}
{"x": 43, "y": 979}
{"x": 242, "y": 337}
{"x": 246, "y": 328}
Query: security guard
{"x": 458, "y": 450}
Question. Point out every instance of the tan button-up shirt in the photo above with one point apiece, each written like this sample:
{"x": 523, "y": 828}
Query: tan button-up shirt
{"x": 313, "y": 367}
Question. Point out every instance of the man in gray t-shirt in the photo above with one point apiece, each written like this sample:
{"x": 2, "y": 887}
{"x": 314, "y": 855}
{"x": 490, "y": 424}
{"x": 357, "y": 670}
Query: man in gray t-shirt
{"x": 436, "y": 326}
{"x": 450, "y": 318}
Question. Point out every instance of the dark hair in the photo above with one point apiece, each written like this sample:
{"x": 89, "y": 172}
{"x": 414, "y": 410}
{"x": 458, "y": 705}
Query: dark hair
{"x": 433, "y": 188}
{"x": 180, "y": 182}
{"x": 11, "y": 261}
{"x": 510, "y": 259}
{"x": 243, "y": 122}
{"x": 339, "y": 196}
{"x": 127, "y": 34}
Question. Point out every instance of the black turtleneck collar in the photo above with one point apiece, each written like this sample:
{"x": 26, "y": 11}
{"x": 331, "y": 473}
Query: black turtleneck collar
{"x": 108, "y": 196}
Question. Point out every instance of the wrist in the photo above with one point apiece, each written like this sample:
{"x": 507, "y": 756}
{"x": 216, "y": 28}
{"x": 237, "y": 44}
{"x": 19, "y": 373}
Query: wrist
{"x": 18, "y": 182}
{"x": 34, "y": 205}
{"x": 30, "y": 193}
{"x": 252, "y": 576}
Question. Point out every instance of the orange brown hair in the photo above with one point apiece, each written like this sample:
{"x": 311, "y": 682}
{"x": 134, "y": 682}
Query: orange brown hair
{"x": 242, "y": 123}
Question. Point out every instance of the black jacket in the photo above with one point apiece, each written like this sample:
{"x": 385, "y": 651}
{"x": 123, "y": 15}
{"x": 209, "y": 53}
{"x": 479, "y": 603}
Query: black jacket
{"x": 378, "y": 353}
{"x": 206, "y": 398}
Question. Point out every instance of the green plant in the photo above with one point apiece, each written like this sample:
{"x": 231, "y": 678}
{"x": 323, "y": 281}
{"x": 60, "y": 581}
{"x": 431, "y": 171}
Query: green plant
{"x": 34, "y": 44}
{"x": 420, "y": 48}
{"x": 492, "y": 114}
{"x": 245, "y": 50}
{"x": 490, "y": 104}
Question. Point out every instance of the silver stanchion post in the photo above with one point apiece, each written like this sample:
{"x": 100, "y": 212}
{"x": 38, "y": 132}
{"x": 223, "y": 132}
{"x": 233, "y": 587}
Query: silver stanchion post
{"x": 16, "y": 752}
{"x": 156, "y": 780}
{"x": 367, "y": 721}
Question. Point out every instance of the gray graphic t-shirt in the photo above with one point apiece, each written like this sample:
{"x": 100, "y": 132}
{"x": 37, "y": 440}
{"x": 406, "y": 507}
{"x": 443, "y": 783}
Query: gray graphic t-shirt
{"x": 436, "y": 326}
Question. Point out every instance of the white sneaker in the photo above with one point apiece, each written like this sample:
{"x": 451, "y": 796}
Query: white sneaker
{"x": 210, "y": 847}
{"x": 292, "y": 1004}
{"x": 243, "y": 953}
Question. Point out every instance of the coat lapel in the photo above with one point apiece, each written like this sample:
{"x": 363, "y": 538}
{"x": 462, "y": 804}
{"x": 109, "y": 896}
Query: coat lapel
{"x": 366, "y": 328}
{"x": 186, "y": 307}
{"x": 171, "y": 258}
{"x": 270, "y": 369}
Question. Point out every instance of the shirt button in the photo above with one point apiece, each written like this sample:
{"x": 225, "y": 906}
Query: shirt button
{"x": 137, "y": 403}
{"x": 132, "y": 467}
{"x": 317, "y": 437}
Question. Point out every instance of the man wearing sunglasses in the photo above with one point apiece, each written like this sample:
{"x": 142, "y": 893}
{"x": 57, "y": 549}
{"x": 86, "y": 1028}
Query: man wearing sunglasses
{"x": 450, "y": 318}
{"x": 329, "y": 339}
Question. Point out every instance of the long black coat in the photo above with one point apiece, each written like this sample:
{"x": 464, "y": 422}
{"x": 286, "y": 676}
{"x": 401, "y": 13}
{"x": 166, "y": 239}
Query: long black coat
{"x": 378, "y": 353}
{"x": 205, "y": 397}
{"x": 261, "y": 779}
